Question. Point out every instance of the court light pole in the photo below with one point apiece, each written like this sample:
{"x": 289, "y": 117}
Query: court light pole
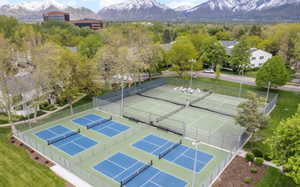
{"x": 192, "y": 61}
{"x": 241, "y": 82}
{"x": 188, "y": 98}
{"x": 195, "y": 163}
{"x": 122, "y": 78}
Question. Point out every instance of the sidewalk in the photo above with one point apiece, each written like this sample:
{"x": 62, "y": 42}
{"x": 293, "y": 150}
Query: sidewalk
{"x": 243, "y": 153}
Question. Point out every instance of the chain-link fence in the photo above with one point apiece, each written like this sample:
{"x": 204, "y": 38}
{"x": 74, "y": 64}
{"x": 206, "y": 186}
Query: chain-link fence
{"x": 230, "y": 140}
{"x": 242, "y": 92}
{"x": 53, "y": 117}
{"x": 73, "y": 165}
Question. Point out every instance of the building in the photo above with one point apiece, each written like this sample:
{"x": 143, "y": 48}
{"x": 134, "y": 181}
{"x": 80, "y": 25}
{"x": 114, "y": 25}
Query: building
{"x": 63, "y": 16}
{"x": 257, "y": 57}
{"x": 90, "y": 23}
{"x": 56, "y": 16}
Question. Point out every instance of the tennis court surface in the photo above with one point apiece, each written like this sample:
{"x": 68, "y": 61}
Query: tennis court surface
{"x": 132, "y": 173}
{"x": 66, "y": 140}
{"x": 101, "y": 125}
{"x": 173, "y": 152}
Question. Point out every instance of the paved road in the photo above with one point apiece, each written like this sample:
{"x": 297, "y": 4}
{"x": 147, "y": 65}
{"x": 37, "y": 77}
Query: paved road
{"x": 246, "y": 80}
{"x": 235, "y": 78}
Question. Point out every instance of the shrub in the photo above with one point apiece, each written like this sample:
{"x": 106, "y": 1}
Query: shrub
{"x": 250, "y": 157}
{"x": 257, "y": 152}
{"x": 267, "y": 157}
{"x": 253, "y": 170}
{"x": 48, "y": 107}
{"x": 259, "y": 161}
{"x": 62, "y": 102}
{"x": 247, "y": 180}
{"x": 39, "y": 113}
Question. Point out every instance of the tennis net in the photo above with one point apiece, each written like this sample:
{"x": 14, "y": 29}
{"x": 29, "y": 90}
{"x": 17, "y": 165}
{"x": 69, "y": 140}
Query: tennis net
{"x": 135, "y": 174}
{"x": 165, "y": 152}
{"x": 59, "y": 138}
{"x": 97, "y": 123}
{"x": 212, "y": 110}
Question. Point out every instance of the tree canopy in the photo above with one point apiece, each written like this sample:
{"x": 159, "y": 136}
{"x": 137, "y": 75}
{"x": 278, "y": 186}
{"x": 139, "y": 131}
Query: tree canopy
{"x": 180, "y": 55}
{"x": 273, "y": 72}
{"x": 240, "y": 57}
{"x": 285, "y": 146}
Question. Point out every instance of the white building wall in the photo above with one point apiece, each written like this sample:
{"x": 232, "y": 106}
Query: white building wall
{"x": 258, "y": 58}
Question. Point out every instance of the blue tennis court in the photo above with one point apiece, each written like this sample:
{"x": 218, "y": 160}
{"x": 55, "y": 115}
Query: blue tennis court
{"x": 109, "y": 128}
{"x": 71, "y": 145}
{"x": 180, "y": 155}
{"x": 120, "y": 167}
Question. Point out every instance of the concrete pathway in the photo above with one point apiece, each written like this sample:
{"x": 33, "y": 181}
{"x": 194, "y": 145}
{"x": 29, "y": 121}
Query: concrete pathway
{"x": 243, "y": 153}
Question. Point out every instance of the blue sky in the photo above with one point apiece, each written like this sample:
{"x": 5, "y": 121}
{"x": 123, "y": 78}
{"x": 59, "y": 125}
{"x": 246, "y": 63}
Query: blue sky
{"x": 98, "y": 4}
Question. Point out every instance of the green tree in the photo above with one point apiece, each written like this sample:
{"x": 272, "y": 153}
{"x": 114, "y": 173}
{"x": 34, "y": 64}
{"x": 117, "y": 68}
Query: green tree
{"x": 181, "y": 53}
{"x": 240, "y": 58}
{"x": 249, "y": 115}
{"x": 254, "y": 41}
{"x": 224, "y": 36}
{"x": 285, "y": 146}
{"x": 7, "y": 76}
{"x": 213, "y": 54}
{"x": 45, "y": 80}
{"x": 273, "y": 72}
{"x": 89, "y": 46}
{"x": 8, "y": 27}
{"x": 255, "y": 30}
{"x": 76, "y": 75}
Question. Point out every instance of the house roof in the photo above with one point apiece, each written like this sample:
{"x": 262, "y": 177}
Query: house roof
{"x": 56, "y": 13}
{"x": 228, "y": 44}
{"x": 252, "y": 50}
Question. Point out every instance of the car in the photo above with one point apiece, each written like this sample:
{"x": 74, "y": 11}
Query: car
{"x": 208, "y": 71}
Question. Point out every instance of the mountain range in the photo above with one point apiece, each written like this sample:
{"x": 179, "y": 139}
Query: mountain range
{"x": 134, "y": 10}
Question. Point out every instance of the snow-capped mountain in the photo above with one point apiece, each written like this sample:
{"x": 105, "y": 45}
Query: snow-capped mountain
{"x": 245, "y": 9}
{"x": 132, "y": 10}
{"x": 33, "y": 10}
{"x": 136, "y": 4}
{"x": 183, "y": 8}
{"x": 148, "y": 10}
{"x": 38, "y": 5}
{"x": 243, "y": 5}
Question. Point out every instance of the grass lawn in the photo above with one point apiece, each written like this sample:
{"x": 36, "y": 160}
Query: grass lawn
{"x": 17, "y": 169}
{"x": 274, "y": 178}
{"x": 251, "y": 74}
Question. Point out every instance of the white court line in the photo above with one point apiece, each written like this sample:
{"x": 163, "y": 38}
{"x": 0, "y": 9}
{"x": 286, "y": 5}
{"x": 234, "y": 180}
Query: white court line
{"x": 149, "y": 180}
{"x": 115, "y": 164}
{"x": 209, "y": 145}
{"x": 126, "y": 169}
{"x": 160, "y": 147}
